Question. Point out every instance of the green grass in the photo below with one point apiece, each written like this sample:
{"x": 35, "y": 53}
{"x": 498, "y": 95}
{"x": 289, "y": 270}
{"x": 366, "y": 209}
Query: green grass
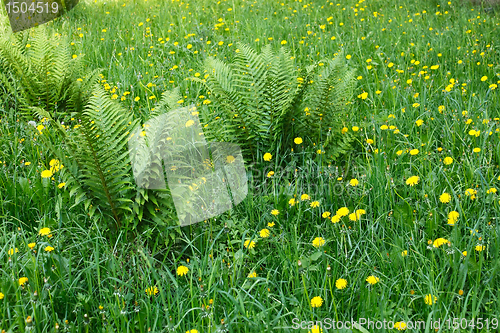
{"x": 91, "y": 282}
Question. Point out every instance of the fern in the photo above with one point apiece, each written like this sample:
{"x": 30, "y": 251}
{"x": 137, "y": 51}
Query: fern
{"x": 97, "y": 165}
{"x": 40, "y": 75}
{"x": 260, "y": 101}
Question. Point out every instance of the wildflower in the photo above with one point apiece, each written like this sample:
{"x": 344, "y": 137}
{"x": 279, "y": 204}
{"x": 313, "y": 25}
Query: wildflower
{"x": 314, "y": 204}
{"x": 316, "y": 329}
{"x": 372, "y": 279}
{"x": 400, "y": 326}
{"x": 46, "y": 174}
{"x": 297, "y": 141}
{"x": 399, "y": 152}
{"x": 264, "y": 233}
{"x": 491, "y": 190}
{"x": 384, "y": 127}
{"x": 192, "y": 331}
{"x": 31, "y": 245}
{"x": 353, "y": 216}
{"x": 336, "y": 218}
{"x": 326, "y": 215}
{"x": 343, "y": 211}
{"x": 249, "y": 244}
{"x": 448, "y": 160}
{"x": 271, "y": 224}
{"x": 476, "y": 150}
{"x": 354, "y": 182}
{"x": 419, "y": 122}
{"x": 471, "y": 192}
{"x": 49, "y": 249}
{"x": 252, "y": 275}
{"x": 27, "y": 163}
{"x": 182, "y": 270}
{"x": 480, "y": 248}
{"x": 316, "y": 302}
{"x": 11, "y": 251}
{"x": 369, "y": 141}
{"x": 267, "y": 157}
{"x": 429, "y": 298}
{"x": 355, "y": 128}
{"x": 484, "y": 78}
{"x": 318, "y": 241}
{"x": 275, "y": 212}
{"x": 414, "y": 152}
{"x": 61, "y": 185}
{"x": 304, "y": 197}
{"x": 1, "y": 296}
{"x": 151, "y": 291}
{"x": 291, "y": 202}
{"x": 453, "y": 217}
{"x": 445, "y": 198}
{"x": 23, "y": 280}
{"x": 341, "y": 283}
{"x": 360, "y": 212}
{"x": 44, "y": 232}
{"x": 464, "y": 253}
{"x": 413, "y": 180}
{"x": 363, "y": 95}
{"x": 270, "y": 174}
{"x": 439, "y": 241}
{"x": 404, "y": 253}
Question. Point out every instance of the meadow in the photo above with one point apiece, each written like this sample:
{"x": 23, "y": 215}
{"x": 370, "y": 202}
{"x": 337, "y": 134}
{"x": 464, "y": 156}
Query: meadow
{"x": 401, "y": 223}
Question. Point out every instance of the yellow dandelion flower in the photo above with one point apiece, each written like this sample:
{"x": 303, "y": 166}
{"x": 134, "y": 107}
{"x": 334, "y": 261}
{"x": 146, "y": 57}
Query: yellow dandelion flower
{"x": 264, "y": 233}
{"x": 44, "y": 231}
{"x": 249, "y": 244}
{"x": 413, "y": 180}
{"x": 318, "y": 241}
{"x": 343, "y": 211}
{"x": 430, "y": 299}
{"x": 182, "y": 270}
{"x": 336, "y": 218}
{"x": 151, "y": 291}
{"x": 46, "y": 174}
{"x": 445, "y": 198}
{"x": 372, "y": 279}
{"x": 341, "y": 283}
{"x": 316, "y": 302}
{"x": 440, "y": 241}
{"x": 400, "y": 325}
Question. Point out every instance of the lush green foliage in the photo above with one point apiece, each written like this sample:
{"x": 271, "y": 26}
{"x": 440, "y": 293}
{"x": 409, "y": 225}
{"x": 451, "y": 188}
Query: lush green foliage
{"x": 261, "y": 101}
{"x": 427, "y": 107}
